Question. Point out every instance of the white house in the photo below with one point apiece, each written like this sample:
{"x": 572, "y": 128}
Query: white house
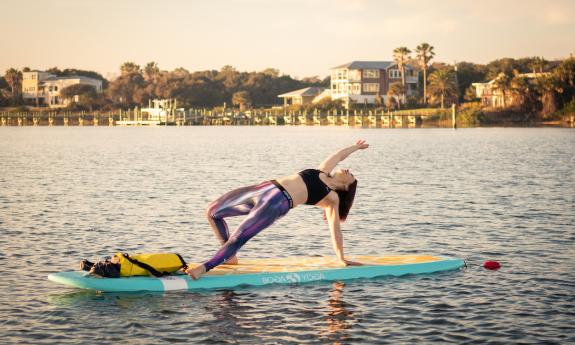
{"x": 43, "y": 88}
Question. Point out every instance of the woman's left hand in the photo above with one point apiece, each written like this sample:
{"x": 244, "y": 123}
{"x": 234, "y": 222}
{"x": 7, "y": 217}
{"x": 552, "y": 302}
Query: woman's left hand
{"x": 361, "y": 145}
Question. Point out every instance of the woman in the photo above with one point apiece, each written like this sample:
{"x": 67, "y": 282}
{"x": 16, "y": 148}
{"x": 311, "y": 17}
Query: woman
{"x": 270, "y": 200}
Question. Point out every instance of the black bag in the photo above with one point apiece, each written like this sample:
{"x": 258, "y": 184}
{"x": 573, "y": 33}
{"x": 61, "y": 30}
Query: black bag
{"x": 106, "y": 268}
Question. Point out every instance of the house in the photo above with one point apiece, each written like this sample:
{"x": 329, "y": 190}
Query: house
{"x": 492, "y": 96}
{"x": 32, "y": 86}
{"x": 302, "y": 96}
{"x": 362, "y": 82}
{"x": 366, "y": 81}
{"x": 42, "y": 88}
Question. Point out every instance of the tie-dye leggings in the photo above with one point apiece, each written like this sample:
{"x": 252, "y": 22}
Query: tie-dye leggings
{"x": 263, "y": 204}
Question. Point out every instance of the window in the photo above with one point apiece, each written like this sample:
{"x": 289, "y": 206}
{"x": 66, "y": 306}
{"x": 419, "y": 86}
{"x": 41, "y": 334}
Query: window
{"x": 354, "y": 75}
{"x": 50, "y": 89}
{"x": 356, "y": 89}
{"x": 339, "y": 74}
{"x": 371, "y": 87}
{"x": 55, "y": 88}
{"x": 394, "y": 74}
{"x": 371, "y": 73}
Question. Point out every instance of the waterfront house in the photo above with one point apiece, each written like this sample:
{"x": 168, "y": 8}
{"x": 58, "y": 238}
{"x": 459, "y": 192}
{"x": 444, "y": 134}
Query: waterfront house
{"x": 492, "y": 96}
{"x": 359, "y": 82}
{"x": 364, "y": 82}
{"x": 42, "y": 88}
{"x": 302, "y": 96}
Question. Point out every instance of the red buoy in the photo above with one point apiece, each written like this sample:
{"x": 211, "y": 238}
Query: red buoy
{"x": 491, "y": 265}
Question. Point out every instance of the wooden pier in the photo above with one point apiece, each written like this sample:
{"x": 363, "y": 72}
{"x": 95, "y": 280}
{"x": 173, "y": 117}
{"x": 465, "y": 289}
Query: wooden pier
{"x": 209, "y": 117}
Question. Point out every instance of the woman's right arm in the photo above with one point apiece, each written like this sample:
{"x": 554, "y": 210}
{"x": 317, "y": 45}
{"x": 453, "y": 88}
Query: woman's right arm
{"x": 330, "y": 162}
{"x": 332, "y": 215}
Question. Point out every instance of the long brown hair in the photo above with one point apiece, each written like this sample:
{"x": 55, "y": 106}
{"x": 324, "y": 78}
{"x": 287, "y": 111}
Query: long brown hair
{"x": 346, "y": 200}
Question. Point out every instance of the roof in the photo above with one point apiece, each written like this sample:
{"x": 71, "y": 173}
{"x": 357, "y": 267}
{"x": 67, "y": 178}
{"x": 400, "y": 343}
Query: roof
{"x": 308, "y": 91}
{"x": 70, "y": 77}
{"x": 524, "y": 75}
{"x": 368, "y": 65}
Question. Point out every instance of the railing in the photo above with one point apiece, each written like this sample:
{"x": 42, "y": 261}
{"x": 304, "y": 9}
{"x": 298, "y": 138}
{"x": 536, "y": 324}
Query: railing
{"x": 210, "y": 117}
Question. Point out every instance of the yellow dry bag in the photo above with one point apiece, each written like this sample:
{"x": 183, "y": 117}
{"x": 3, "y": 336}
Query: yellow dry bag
{"x": 154, "y": 264}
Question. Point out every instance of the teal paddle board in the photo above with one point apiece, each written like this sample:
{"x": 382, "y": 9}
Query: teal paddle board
{"x": 259, "y": 272}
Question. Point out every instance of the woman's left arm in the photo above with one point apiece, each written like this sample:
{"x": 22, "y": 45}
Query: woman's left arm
{"x": 330, "y": 162}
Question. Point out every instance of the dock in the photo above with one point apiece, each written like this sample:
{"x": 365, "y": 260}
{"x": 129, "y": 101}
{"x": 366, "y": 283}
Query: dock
{"x": 210, "y": 117}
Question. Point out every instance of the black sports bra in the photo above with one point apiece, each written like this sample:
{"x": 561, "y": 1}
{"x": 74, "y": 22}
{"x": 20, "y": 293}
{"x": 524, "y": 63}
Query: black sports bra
{"x": 316, "y": 189}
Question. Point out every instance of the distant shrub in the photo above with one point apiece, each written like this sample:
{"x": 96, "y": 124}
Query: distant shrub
{"x": 471, "y": 113}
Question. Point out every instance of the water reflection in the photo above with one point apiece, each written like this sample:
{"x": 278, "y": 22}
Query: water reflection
{"x": 227, "y": 315}
{"x": 92, "y": 300}
{"x": 339, "y": 318}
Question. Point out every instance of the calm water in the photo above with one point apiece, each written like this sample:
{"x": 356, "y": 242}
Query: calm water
{"x": 500, "y": 194}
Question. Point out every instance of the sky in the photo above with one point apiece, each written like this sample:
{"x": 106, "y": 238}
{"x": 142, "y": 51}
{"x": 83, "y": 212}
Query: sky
{"x": 302, "y": 38}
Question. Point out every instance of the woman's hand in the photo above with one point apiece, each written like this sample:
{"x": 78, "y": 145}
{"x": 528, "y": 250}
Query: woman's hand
{"x": 330, "y": 162}
{"x": 361, "y": 145}
{"x": 346, "y": 263}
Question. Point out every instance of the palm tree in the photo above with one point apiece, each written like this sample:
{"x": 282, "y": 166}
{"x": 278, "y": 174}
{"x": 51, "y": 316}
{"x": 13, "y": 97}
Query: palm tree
{"x": 394, "y": 93}
{"x": 503, "y": 84}
{"x": 520, "y": 89}
{"x": 400, "y": 55}
{"x": 442, "y": 84}
{"x": 14, "y": 79}
{"x": 538, "y": 63}
{"x": 424, "y": 54}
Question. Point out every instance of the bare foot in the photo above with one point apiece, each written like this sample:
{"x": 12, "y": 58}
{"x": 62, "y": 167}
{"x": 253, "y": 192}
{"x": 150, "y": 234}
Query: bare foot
{"x": 196, "y": 272}
{"x": 232, "y": 261}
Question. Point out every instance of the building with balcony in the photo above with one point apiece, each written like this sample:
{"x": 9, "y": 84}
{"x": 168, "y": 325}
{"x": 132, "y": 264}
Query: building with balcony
{"x": 359, "y": 82}
{"x": 33, "y": 86}
{"x": 365, "y": 81}
{"x": 42, "y": 88}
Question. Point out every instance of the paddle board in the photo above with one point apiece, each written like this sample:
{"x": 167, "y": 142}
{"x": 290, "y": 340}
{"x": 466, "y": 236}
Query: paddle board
{"x": 257, "y": 272}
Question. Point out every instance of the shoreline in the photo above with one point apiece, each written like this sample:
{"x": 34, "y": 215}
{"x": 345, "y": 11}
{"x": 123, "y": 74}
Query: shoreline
{"x": 354, "y": 119}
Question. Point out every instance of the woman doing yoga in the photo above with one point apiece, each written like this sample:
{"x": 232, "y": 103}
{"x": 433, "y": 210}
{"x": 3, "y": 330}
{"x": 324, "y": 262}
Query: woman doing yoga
{"x": 268, "y": 201}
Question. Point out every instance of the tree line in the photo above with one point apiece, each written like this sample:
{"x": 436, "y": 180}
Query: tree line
{"x": 136, "y": 85}
{"x": 441, "y": 84}
{"x": 550, "y": 90}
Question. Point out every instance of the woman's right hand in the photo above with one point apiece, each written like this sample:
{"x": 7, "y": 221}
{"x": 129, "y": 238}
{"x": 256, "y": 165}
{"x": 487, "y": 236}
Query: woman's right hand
{"x": 346, "y": 263}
